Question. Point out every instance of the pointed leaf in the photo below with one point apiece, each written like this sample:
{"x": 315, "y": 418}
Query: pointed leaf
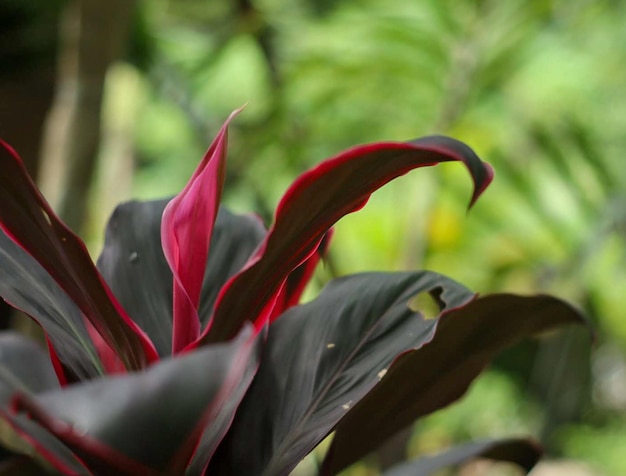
{"x": 313, "y": 204}
{"x": 320, "y": 359}
{"x": 186, "y": 231}
{"x": 524, "y": 453}
{"x": 28, "y": 220}
{"x": 27, "y": 286}
{"x": 165, "y": 408}
{"x": 439, "y": 373}
{"x": 133, "y": 264}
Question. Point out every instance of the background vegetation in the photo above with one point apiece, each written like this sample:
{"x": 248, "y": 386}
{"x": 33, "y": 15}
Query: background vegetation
{"x": 134, "y": 91}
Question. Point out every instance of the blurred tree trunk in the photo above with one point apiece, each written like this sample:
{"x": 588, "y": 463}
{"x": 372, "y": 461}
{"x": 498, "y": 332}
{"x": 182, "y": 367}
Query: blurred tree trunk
{"x": 27, "y": 65}
{"x": 27, "y": 62}
{"x": 93, "y": 36}
{"x": 26, "y": 97}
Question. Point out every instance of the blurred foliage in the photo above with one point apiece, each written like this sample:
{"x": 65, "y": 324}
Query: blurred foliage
{"x": 535, "y": 87}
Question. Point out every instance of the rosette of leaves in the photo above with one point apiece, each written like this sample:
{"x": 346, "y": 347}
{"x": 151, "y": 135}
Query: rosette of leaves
{"x": 185, "y": 350}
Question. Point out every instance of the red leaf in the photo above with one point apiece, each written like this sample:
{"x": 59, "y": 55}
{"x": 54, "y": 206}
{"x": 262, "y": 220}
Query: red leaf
{"x": 312, "y": 205}
{"x": 186, "y": 230}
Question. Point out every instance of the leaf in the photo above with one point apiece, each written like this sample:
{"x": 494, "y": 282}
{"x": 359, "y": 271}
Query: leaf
{"x": 439, "y": 373}
{"x": 524, "y": 453}
{"x": 214, "y": 429}
{"x": 186, "y": 231}
{"x": 40, "y": 444}
{"x": 28, "y": 220}
{"x": 235, "y": 238}
{"x": 312, "y": 205}
{"x": 320, "y": 359}
{"x": 148, "y": 422}
{"x": 27, "y": 286}
{"x": 24, "y": 367}
{"x": 133, "y": 264}
{"x": 296, "y": 282}
{"x": 134, "y": 267}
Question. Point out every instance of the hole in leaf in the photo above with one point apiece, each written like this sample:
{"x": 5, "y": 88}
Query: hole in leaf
{"x": 426, "y": 304}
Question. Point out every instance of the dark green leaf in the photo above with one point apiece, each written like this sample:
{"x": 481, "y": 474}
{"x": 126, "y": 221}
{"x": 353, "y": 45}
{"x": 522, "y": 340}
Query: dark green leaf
{"x": 439, "y": 373}
{"x": 523, "y": 453}
{"x": 24, "y": 367}
{"x": 321, "y": 358}
{"x": 133, "y": 265}
{"x": 149, "y": 422}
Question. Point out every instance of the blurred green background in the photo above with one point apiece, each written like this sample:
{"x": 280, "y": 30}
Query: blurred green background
{"x": 108, "y": 100}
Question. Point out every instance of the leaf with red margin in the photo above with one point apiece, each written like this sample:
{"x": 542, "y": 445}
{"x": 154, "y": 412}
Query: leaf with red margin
{"x": 24, "y": 367}
{"x": 28, "y": 287}
{"x": 166, "y": 408}
{"x": 27, "y": 219}
{"x": 312, "y": 205}
{"x": 186, "y": 230}
{"x": 522, "y": 452}
{"x": 42, "y": 445}
{"x": 439, "y": 373}
{"x": 321, "y": 358}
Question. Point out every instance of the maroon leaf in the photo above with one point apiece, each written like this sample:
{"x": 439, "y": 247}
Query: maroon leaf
{"x": 186, "y": 231}
{"x": 524, "y": 453}
{"x": 312, "y": 205}
{"x": 26, "y": 217}
{"x": 439, "y": 373}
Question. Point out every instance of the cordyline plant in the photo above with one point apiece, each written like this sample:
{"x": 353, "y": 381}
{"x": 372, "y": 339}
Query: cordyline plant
{"x": 185, "y": 351}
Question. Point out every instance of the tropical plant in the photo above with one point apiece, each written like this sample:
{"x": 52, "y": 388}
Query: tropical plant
{"x": 186, "y": 352}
